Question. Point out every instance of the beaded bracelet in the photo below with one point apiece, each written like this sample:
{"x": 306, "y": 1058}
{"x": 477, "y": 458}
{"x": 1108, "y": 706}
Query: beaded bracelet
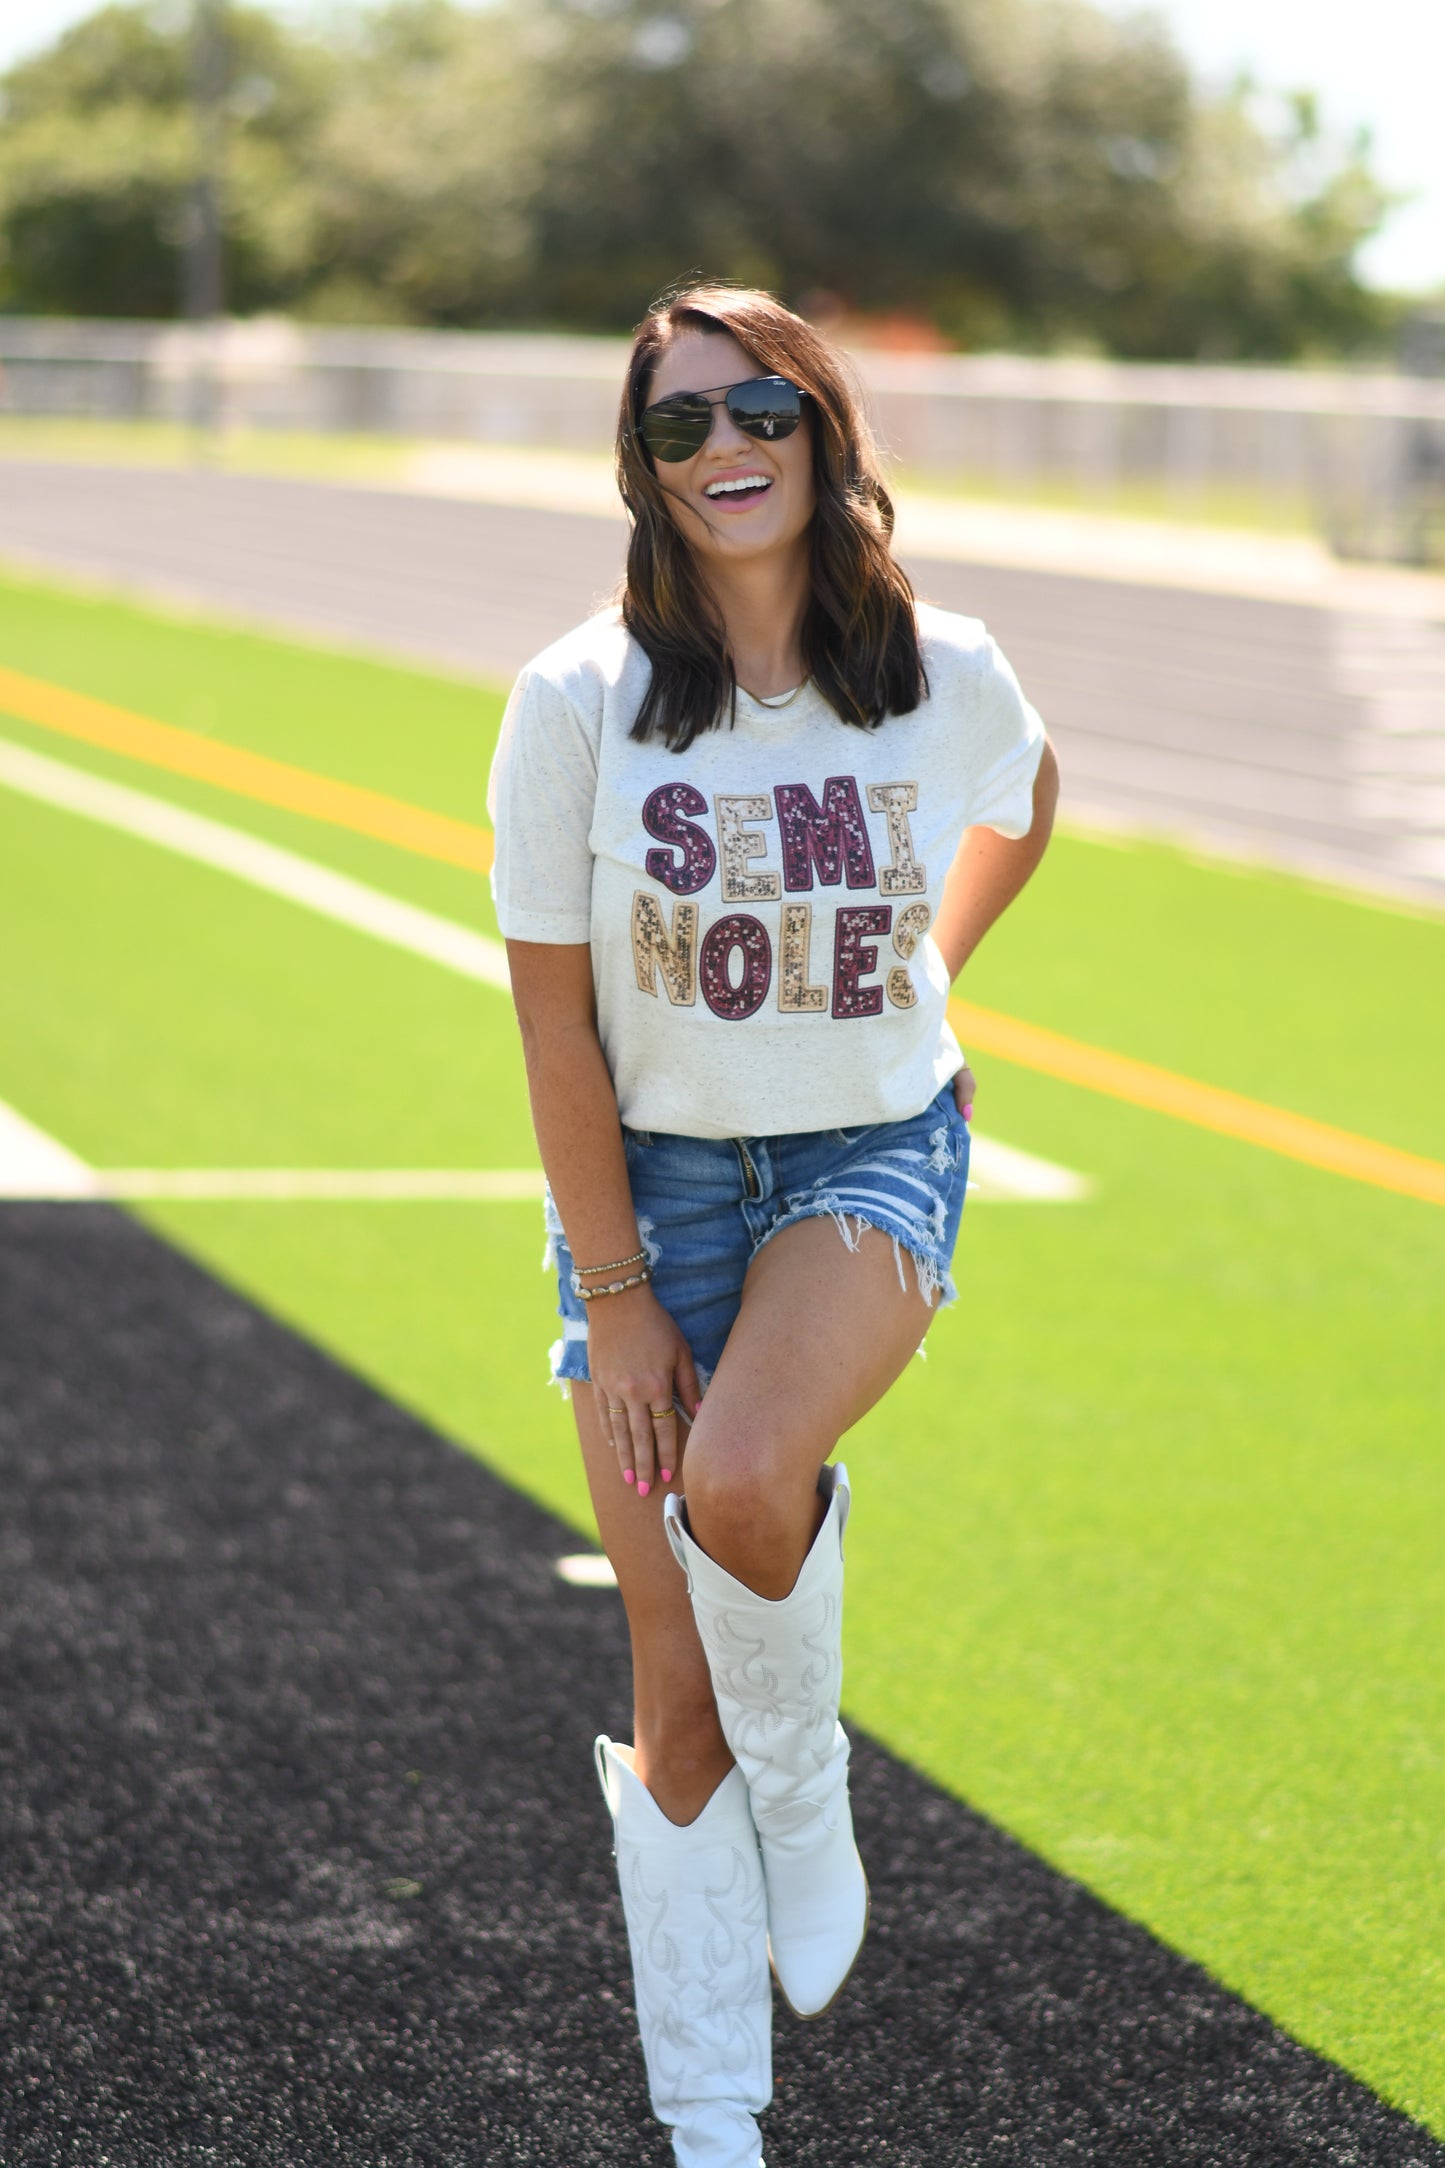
{"x": 591, "y": 1294}
{"x": 617, "y": 1265}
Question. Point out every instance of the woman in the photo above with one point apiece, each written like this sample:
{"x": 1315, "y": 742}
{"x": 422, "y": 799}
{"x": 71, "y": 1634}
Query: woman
{"x": 750, "y": 825}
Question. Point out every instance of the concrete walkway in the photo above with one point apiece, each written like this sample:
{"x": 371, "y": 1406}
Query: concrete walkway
{"x": 961, "y": 530}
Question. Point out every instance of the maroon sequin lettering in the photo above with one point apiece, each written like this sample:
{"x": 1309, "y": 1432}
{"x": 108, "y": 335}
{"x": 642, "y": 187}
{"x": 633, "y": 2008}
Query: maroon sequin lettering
{"x": 853, "y": 956}
{"x": 741, "y": 935}
{"x": 662, "y": 816}
{"x": 831, "y": 836}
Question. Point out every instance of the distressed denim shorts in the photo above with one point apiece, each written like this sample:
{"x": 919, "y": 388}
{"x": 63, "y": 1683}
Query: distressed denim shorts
{"x": 705, "y": 1207}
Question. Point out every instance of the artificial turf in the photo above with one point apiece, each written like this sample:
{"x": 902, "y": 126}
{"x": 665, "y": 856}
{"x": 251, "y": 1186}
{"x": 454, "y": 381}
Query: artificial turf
{"x": 1166, "y": 1489}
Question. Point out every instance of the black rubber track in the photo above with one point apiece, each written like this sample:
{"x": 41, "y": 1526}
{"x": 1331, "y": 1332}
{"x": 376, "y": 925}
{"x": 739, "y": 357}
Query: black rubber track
{"x": 303, "y": 1857}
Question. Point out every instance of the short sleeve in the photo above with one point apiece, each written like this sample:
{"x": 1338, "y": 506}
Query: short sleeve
{"x": 1007, "y": 743}
{"x": 541, "y": 795}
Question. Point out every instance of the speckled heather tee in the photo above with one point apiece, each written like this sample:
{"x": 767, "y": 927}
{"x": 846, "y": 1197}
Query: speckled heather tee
{"x": 758, "y": 907}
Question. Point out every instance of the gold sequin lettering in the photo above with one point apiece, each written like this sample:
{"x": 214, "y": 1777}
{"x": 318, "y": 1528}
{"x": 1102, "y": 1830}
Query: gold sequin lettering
{"x": 794, "y": 992}
{"x": 738, "y": 844}
{"x": 904, "y": 876}
{"x": 912, "y": 925}
{"x": 656, "y": 949}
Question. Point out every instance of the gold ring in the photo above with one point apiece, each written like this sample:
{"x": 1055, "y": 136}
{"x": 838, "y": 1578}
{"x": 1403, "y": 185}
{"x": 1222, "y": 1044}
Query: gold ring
{"x": 658, "y": 1413}
{"x": 620, "y": 1409}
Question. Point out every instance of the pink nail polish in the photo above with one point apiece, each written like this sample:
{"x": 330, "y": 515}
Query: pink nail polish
{"x": 667, "y": 1475}
{"x": 968, "y": 1112}
{"x": 628, "y": 1476}
{"x": 643, "y": 1489}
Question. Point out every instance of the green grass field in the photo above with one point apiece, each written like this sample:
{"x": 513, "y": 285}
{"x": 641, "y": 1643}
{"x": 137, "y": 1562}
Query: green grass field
{"x": 1145, "y": 1561}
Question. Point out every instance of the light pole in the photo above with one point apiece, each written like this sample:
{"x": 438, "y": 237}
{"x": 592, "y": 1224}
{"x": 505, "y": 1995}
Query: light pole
{"x": 201, "y": 293}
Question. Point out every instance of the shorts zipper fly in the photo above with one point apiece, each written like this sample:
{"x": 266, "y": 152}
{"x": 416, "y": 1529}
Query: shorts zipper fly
{"x": 750, "y": 1172}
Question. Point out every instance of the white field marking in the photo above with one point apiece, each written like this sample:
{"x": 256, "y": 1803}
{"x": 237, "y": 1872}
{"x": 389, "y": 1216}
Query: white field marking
{"x": 1001, "y": 1174}
{"x": 264, "y": 865}
{"x": 34, "y": 1165}
{"x": 324, "y": 1185}
{"x": 587, "y": 1569}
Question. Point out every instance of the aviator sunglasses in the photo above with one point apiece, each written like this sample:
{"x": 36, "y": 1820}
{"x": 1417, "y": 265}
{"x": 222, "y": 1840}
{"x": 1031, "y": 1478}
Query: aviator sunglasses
{"x": 766, "y": 407}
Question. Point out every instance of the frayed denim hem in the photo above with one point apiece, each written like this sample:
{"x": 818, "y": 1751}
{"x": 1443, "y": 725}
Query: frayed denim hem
{"x": 935, "y": 1285}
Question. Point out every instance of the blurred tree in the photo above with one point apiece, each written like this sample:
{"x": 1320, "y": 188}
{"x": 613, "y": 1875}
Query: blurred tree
{"x": 98, "y": 156}
{"x": 1031, "y": 172}
{"x": 425, "y": 170}
{"x": 1034, "y": 171}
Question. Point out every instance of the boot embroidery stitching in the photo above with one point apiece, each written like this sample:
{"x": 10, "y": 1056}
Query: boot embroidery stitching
{"x": 698, "y": 2007}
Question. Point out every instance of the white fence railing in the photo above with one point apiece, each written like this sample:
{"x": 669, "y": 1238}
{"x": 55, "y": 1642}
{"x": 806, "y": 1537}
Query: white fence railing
{"x": 1365, "y": 452}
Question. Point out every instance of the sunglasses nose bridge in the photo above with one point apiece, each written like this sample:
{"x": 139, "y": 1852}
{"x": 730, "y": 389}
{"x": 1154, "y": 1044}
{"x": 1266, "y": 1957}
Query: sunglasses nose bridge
{"x": 725, "y": 428}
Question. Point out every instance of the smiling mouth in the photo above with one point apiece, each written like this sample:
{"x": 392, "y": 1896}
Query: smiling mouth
{"x": 744, "y": 487}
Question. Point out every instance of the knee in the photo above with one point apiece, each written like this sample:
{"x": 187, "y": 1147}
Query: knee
{"x": 751, "y": 1512}
{"x": 735, "y": 1492}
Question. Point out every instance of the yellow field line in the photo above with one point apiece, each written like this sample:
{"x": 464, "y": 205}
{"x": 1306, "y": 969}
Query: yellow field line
{"x": 1119, "y": 1076}
{"x": 250, "y": 775}
{"x": 435, "y": 835}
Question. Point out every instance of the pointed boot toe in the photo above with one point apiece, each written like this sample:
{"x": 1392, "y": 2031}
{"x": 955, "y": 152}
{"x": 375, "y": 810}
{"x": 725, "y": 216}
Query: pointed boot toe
{"x": 817, "y": 1893}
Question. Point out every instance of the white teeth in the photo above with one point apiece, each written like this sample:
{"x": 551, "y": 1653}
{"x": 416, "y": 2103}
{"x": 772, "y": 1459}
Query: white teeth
{"x": 743, "y": 481}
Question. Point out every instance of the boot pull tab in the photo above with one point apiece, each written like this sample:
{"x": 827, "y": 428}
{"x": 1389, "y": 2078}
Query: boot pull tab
{"x": 833, "y": 1483}
{"x": 672, "y": 1522}
{"x": 604, "y": 1773}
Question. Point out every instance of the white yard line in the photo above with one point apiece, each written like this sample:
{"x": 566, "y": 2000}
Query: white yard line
{"x": 263, "y": 865}
{"x": 586, "y": 1569}
{"x": 1000, "y": 1173}
{"x": 323, "y": 1185}
{"x": 34, "y": 1165}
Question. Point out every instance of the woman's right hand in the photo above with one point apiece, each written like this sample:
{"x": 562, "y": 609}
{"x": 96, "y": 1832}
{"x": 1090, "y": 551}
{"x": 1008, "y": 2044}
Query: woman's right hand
{"x": 639, "y": 1363}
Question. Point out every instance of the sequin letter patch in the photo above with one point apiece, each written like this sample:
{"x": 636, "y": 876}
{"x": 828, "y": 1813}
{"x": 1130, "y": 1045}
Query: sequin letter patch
{"x": 904, "y": 876}
{"x": 853, "y": 956}
{"x": 912, "y": 926}
{"x": 795, "y": 995}
{"x": 662, "y": 816}
{"x": 830, "y": 836}
{"x": 656, "y": 949}
{"x": 738, "y": 844}
{"x": 736, "y": 935}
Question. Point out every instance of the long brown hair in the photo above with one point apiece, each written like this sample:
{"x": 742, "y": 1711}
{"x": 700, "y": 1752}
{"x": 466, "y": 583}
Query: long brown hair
{"x": 860, "y": 633}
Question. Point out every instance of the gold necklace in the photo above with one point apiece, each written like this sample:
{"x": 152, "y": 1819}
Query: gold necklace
{"x": 784, "y": 700}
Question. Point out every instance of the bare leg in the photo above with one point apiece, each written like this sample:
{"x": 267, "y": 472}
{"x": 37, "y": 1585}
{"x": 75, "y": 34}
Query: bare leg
{"x": 681, "y": 1754}
{"x": 822, "y": 1333}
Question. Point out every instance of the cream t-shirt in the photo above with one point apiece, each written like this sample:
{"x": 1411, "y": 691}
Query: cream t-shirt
{"x": 758, "y": 907}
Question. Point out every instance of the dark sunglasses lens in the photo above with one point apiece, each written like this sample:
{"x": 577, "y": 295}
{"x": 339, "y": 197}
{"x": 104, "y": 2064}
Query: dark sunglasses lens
{"x": 767, "y": 407}
{"x": 676, "y": 428}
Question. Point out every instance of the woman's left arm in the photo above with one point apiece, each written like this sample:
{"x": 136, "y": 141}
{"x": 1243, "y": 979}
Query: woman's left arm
{"x": 986, "y": 875}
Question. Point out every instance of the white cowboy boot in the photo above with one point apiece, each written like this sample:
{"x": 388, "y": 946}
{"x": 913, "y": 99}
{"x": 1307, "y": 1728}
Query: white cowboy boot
{"x": 777, "y": 1673}
{"x": 697, "y": 1926}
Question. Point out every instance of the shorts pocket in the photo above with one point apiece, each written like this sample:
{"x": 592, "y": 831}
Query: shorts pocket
{"x": 846, "y": 1138}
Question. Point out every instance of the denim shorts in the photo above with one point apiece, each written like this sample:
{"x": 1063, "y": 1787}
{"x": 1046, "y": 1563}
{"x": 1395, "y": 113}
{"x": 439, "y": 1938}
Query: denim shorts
{"x": 705, "y": 1207}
